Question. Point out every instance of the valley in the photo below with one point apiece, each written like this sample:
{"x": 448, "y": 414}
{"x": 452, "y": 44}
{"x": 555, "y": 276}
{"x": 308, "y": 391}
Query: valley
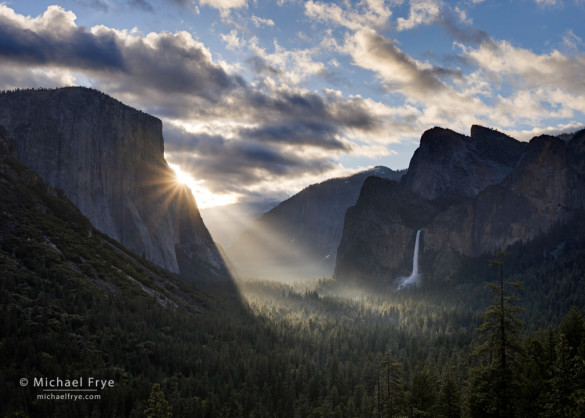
{"x": 108, "y": 272}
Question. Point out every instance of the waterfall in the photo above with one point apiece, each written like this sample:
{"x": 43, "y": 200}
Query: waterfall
{"x": 413, "y": 279}
{"x": 415, "y": 257}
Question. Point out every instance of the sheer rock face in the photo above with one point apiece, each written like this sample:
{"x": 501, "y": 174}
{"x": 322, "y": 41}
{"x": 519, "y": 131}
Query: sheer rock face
{"x": 108, "y": 159}
{"x": 451, "y": 164}
{"x": 378, "y": 234}
{"x": 7, "y": 146}
{"x": 545, "y": 187}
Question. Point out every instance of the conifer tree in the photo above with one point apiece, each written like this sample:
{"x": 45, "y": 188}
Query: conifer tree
{"x": 158, "y": 407}
{"x": 423, "y": 392}
{"x": 390, "y": 387}
{"x": 449, "y": 396}
{"x": 495, "y": 384}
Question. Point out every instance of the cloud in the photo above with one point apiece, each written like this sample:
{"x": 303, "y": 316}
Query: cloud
{"x": 224, "y": 6}
{"x": 240, "y": 132}
{"x": 462, "y": 15}
{"x": 233, "y": 166}
{"x": 258, "y": 21}
{"x": 232, "y": 40}
{"x": 525, "y": 69}
{"x": 422, "y": 12}
{"x": 267, "y": 129}
{"x": 13, "y": 77}
{"x": 369, "y": 13}
{"x": 399, "y": 71}
{"x": 500, "y": 85}
{"x": 527, "y": 135}
{"x": 572, "y": 41}
{"x": 173, "y": 63}
{"x": 261, "y": 66}
{"x": 286, "y": 66}
{"x": 54, "y": 38}
{"x": 467, "y": 35}
{"x": 162, "y": 62}
{"x": 299, "y": 132}
{"x": 549, "y": 3}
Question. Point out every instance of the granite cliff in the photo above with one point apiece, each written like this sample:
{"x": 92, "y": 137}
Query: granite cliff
{"x": 462, "y": 218}
{"x": 299, "y": 237}
{"x": 377, "y": 234}
{"x": 108, "y": 160}
{"x": 451, "y": 164}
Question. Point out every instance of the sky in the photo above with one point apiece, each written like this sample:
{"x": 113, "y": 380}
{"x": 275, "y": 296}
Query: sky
{"x": 260, "y": 99}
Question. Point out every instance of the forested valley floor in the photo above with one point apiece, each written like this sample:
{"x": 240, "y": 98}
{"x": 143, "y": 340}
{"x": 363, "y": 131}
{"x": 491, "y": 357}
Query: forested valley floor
{"x": 74, "y": 303}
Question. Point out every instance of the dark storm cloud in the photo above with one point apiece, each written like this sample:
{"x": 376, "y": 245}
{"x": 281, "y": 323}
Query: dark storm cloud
{"x": 73, "y": 48}
{"x": 163, "y": 62}
{"x": 309, "y": 106}
{"x": 260, "y": 66}
{"x": 233, "y": 165}
{"x": 323, "y": 135}
{"x": 174, "y": 63}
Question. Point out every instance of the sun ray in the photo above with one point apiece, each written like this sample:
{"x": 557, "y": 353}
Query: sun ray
{"x": 204, "y": 197}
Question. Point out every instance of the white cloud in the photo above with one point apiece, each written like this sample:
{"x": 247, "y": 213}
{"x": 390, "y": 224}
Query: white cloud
{"x": 224, "y": 4}
{"x": 463, "y": 17}
{"x": 258, "y": 21}
{"x": 371, "y": 14}
{"x": 55, "y": 18}
{"x": 549, "y": 3}
{"x": 524, "y": 68}
{"x": 13, "y": 77}
{"x": 398, "y": 70}
{"x": 232, "y": 40}
{"x": 572, "y": 41}
{"x": 287, "y": 66}
{"x": 422, "y": 12}
{"x": 528, "y": 134}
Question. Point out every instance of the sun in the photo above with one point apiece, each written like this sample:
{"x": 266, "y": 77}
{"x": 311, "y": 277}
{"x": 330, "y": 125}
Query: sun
{"x": 204, "y": 197}
{"x": 182, "y": 176}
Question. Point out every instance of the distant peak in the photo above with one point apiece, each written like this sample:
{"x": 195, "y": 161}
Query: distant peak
{"x": 437, "y": 138}
{"x": 438, "y": 132}
{"x": 379, "y": 168}
{"x": 479, "y": 132}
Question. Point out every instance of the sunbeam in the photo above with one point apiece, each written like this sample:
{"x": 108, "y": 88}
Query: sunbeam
{"x": 205, "y": 198}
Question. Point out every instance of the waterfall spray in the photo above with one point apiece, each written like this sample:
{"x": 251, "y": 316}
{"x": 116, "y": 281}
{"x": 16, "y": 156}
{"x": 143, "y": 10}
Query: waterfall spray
{"x": 414, "y": 276}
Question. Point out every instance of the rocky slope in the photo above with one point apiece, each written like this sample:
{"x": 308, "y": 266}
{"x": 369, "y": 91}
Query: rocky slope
{"x": 108, "y": 159}
{"x": 299, "y": 237}
{"x": 546, "y": 187}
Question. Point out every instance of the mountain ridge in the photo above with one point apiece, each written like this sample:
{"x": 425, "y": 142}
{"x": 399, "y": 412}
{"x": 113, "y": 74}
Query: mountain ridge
{"x": 448, "y": 163}
{"x": 546, "y": 187}
{"x": 299, "y": 237}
